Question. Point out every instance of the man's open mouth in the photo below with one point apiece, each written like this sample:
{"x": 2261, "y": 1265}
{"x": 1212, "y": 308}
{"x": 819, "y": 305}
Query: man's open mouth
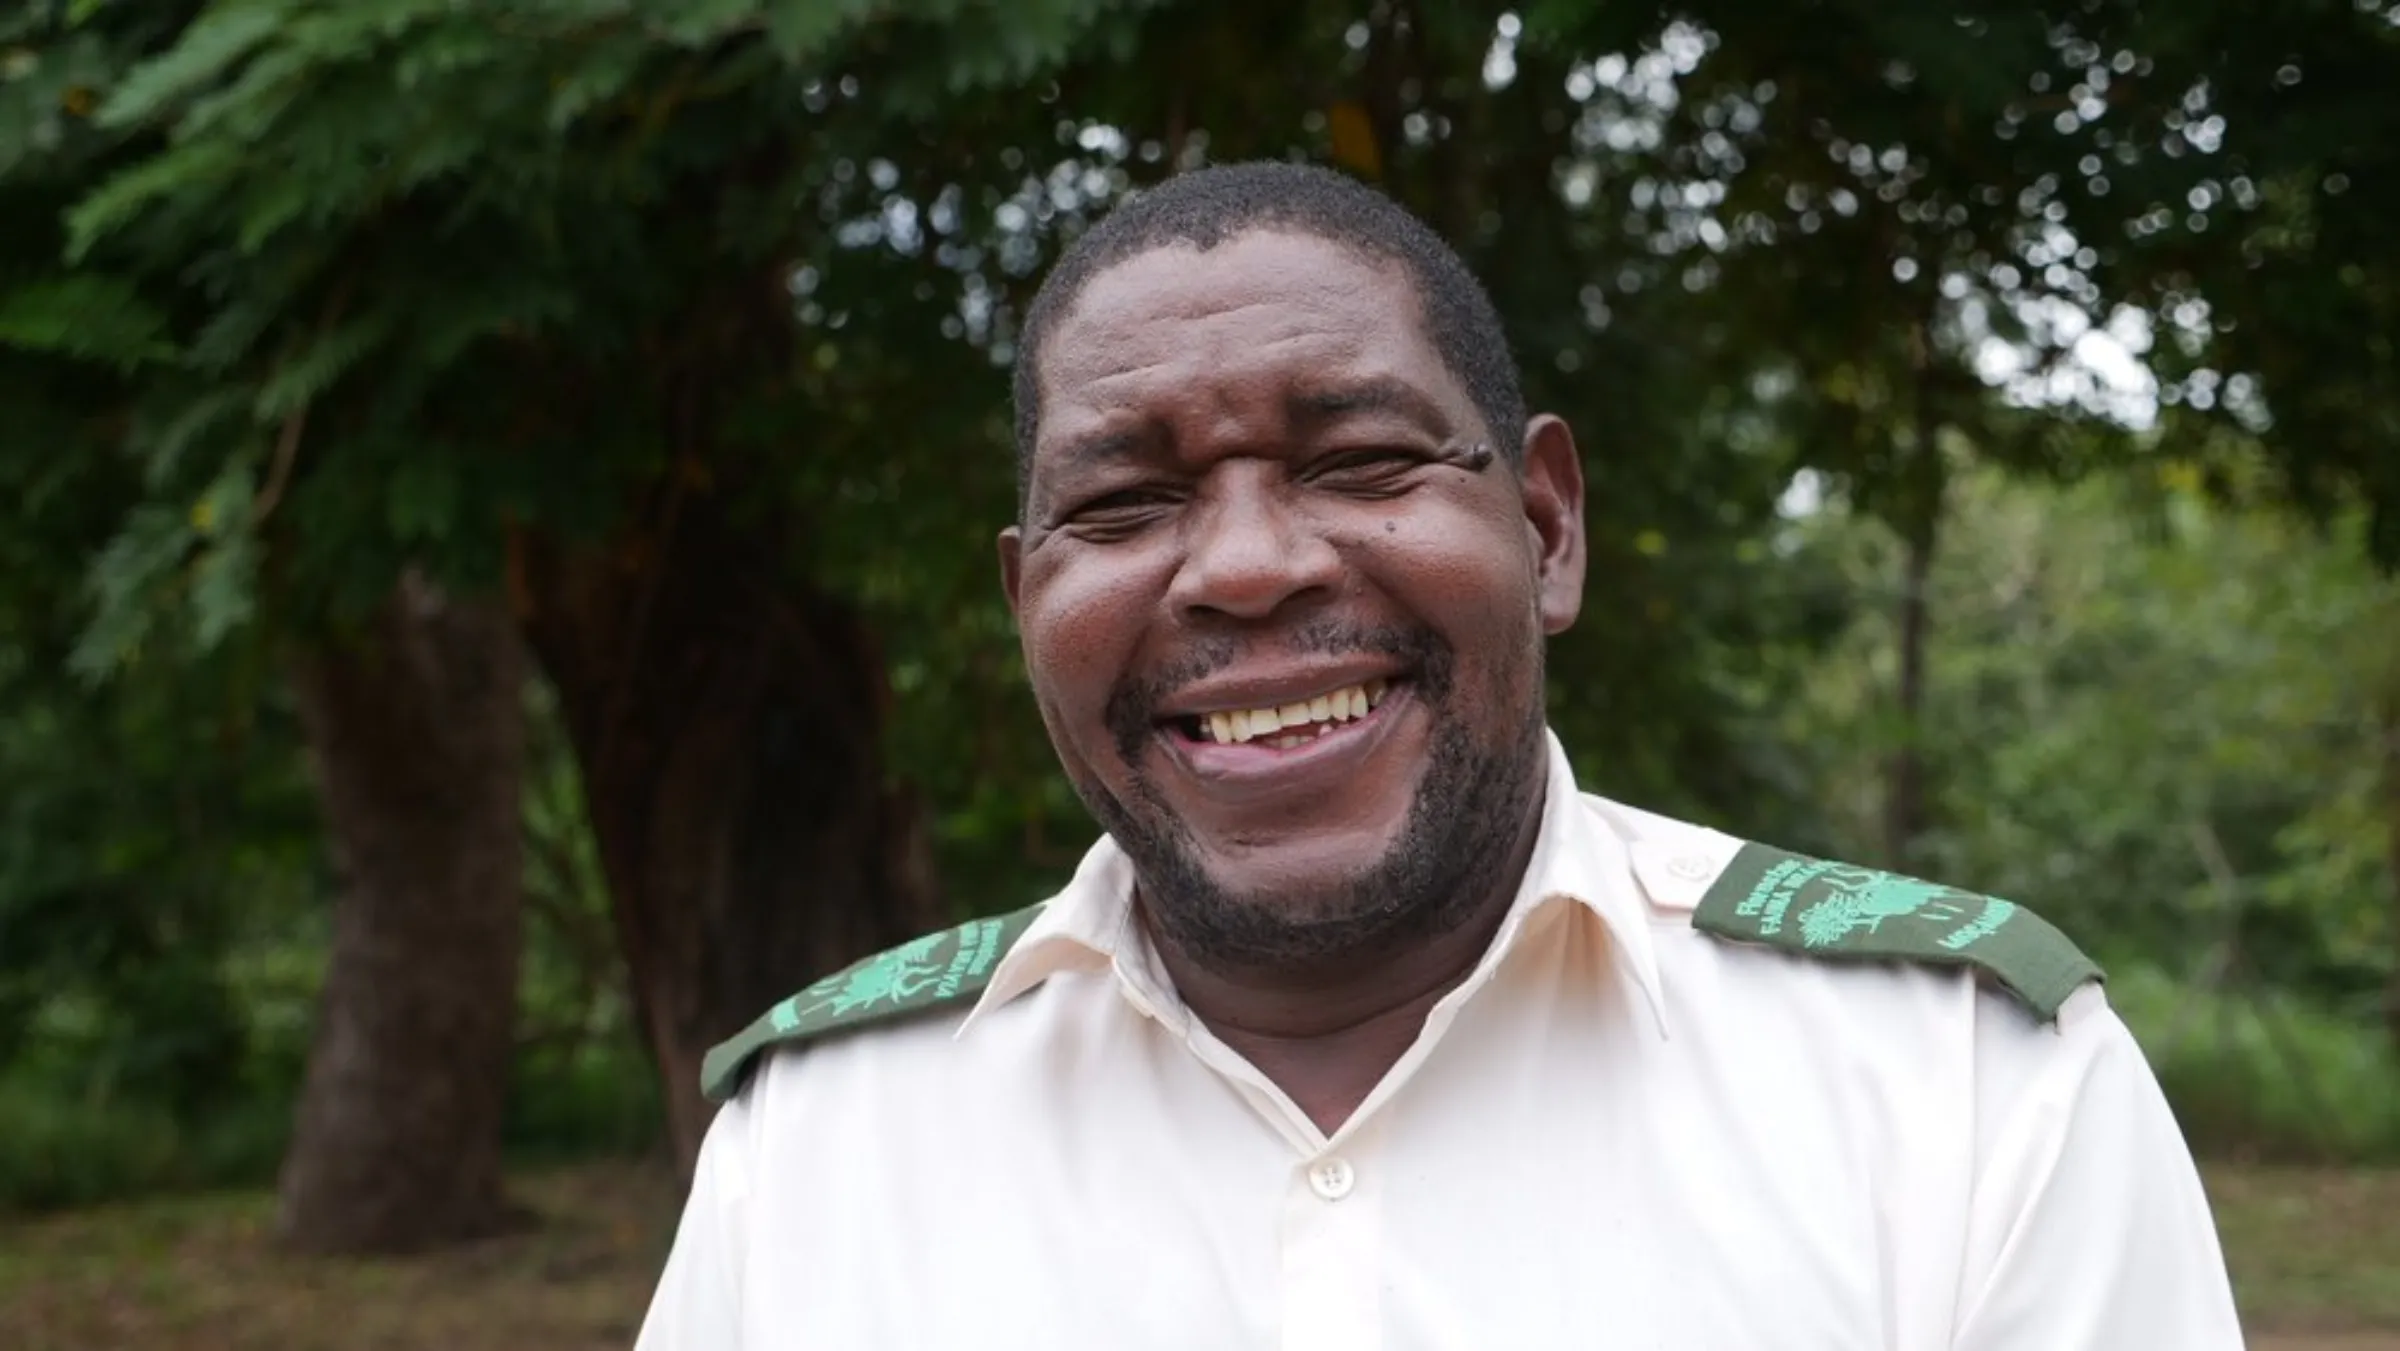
{"x": 1286, "y": 726}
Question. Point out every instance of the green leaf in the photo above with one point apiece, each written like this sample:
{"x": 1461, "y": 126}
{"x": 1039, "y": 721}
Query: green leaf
{"x": 285, "y": 199}
{"x": 90, "y": 315}
{"x": 797, "y": 29}
{"x": 601, "y": 76}
{"x": 222, "y": 37}
{"x": 693, "y": 23}
{"x": 223, "y": 509}
{"x": 423, "y": 501}
{"x": 126, "y": 583}
{"x": 204, "y": 168}
{"x": 188, "y": 425}
{"x": 224, "y": 587}
{"x": 318, "y": 365}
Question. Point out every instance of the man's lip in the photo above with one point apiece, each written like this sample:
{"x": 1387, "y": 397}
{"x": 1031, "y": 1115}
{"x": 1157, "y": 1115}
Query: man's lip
{"x": 1232, "y": 693}
{"x": 1255, "y": 775}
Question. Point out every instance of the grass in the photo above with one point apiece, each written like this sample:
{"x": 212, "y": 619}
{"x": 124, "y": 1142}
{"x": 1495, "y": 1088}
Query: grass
{"x": 2315, "y": 1255}
{"x": 2312, "y": 1250}
{"x": 69, "y": 1149}
{"x": 199, "y": 1271}
{"x": 64, "y": 1152}
{"x": 2260, "y": 1076}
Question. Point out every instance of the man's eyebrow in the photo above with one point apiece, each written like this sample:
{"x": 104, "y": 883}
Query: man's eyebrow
{"x": 1123, "y": 443}
{"x": 1381, "y": 394}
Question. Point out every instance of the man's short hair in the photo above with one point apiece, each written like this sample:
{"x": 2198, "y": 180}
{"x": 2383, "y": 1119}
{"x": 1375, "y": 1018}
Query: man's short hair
{"x": 1206, "y": 207}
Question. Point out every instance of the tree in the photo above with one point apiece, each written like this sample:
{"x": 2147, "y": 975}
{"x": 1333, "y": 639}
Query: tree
{"x": 417, "y": 734}
{"x": 402, "y": 364}
{"x": 2152, "y": 701}
{"x": 683, "y": 326}
{"x": 129, "y": 812}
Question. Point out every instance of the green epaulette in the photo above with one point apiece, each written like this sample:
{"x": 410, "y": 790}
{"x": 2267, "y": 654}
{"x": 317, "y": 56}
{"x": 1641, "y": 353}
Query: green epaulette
{"x": 1831, "y": 911}
{"x": 932, "y": 972}
{"x": 1840, "y": 912}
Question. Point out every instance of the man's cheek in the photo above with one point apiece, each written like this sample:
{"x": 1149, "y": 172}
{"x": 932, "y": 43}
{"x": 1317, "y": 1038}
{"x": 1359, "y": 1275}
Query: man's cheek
{"x": 1076, "y": 654}
{"x": 1084, "y": 747}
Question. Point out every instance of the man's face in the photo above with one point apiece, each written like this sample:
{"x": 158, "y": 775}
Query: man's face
{"x": 1287, "y": 644}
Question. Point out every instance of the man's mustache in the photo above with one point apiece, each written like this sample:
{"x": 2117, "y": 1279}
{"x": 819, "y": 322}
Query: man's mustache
{"x": 1134, "y": 701}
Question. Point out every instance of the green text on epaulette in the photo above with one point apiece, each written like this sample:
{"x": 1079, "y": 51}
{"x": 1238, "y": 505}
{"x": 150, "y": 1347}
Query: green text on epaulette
{"x": 1842, "y": 912}
{"x": 925, "y": 973}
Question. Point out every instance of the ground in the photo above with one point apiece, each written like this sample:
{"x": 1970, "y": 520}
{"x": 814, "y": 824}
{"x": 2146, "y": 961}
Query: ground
{"x": 2315, "y": 1254}
{"x": 188, "y": 1273}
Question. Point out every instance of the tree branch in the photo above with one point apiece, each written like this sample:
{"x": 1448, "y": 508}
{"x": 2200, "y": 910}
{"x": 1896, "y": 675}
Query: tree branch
{"x": 295, "y": 425}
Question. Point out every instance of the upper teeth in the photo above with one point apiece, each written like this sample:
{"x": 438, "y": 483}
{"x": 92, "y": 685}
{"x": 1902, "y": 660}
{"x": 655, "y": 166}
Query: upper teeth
{"x": 1351, "y": 701}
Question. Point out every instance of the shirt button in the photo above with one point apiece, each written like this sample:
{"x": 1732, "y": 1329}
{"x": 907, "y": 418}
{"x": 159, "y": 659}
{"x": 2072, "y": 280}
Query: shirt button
{"x": 1690, "y": 868}
{"x": 1332, "y": 1178}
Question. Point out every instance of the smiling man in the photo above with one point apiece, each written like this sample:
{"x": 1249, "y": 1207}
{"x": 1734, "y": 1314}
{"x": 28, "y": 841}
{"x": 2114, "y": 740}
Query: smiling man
{"x": 1362, "y": 1027}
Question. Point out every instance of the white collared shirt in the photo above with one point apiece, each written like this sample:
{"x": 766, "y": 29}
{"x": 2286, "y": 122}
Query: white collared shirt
{"x": 1618, "y": 1132}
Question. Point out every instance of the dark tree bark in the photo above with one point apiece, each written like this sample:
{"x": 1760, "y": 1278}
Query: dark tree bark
{"x": 2389, "y": 725}
{"x": 417, "y": 737}
{"x": 728, "y": 721}
{"x": 1916, "y": 514}
{"x": 1904, "y": 813}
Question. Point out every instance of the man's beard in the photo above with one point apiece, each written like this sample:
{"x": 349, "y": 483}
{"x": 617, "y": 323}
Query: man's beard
{"x": 1470, "y": 811}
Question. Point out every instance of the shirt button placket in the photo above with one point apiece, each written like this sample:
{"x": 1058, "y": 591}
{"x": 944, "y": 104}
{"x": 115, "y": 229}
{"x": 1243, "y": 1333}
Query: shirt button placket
{"x": 1332, "y": 1259}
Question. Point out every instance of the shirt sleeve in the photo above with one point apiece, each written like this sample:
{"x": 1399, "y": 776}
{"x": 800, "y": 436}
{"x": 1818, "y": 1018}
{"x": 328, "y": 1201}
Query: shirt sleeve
{"x": 698, "y": 1303}
{"x": 2088, "y": 1228}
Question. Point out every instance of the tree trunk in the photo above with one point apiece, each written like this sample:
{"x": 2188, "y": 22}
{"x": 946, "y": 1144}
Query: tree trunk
{"x": 2389, "y": 724}
{"x": 1923, "y": 486}
{"x": 1904, "y": 775}
{"x": 729, "y": 727}
{"x": 417, "y": 739}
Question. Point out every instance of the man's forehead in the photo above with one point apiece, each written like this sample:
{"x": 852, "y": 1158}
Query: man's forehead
{"x": 1285, "y": 314}
{"x": 1158, "y": 290}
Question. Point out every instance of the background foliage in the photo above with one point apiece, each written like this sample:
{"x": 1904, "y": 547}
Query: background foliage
{"x": 2046, "y": 353}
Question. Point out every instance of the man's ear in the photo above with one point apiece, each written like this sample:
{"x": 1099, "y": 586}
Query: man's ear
{"x": 1012, "y": 564}
{"x": 1554, "y": 519}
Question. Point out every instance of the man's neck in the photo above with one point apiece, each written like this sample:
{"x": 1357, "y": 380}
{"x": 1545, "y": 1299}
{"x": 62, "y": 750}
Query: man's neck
{"x": 1328, "y": 1034}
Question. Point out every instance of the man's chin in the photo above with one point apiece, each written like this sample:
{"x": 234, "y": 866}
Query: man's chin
{"x": 1279, "y": 869}
{"x": 1266, "y": 906}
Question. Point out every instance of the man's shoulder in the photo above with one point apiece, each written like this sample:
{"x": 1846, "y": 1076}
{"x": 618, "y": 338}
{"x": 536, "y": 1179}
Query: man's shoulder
{"x": 1743, "y": 892}
{"x": 929, "y": 973}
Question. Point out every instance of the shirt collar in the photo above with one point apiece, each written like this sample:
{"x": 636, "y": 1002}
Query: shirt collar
{"x": 1578, "y": 859}
{"x": 1082, "y": 929}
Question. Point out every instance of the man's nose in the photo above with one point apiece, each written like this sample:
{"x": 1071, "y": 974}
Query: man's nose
{"x": 1248, "y": 553}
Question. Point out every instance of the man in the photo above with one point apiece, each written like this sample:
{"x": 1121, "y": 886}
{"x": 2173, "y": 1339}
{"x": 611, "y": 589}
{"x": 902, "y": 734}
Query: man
{"x": 1362, "y": 1028}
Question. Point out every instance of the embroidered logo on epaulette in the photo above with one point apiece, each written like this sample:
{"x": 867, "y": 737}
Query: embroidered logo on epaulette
{"x": 921, "y": 974}
{"x": 1841, "y": 910}
{"x": 900, "y": 978}
{"x": 1856, "y": 899}
{"x": 887, "y": 978}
